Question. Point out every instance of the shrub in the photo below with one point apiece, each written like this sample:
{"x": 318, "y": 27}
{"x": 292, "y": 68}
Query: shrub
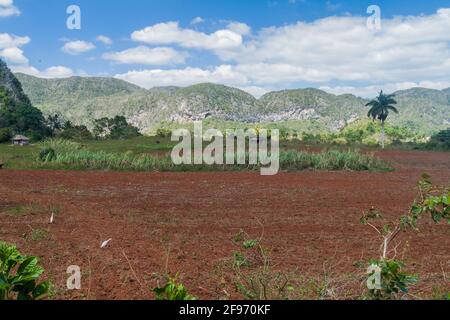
{"x": 61, "y": 145}
{"x": 440, "y": 141}
{"x": 19, "y": 275}
{"x": 254, "y": 276}
{"x": 47, "y": 155}
{"x": 5, "y": 135}
{"x": 392, "y": 280}
{"x": 164, "y": 133}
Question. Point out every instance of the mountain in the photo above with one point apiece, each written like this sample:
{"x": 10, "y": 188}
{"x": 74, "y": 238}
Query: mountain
{"x": 17, "y": 114}
{"x": 312, "y": 104}
{"x": 10, "y": 86}
{"x": 423, "y": 109}
{"x": 67, "y": 93}
{"x": 83, "y": 99}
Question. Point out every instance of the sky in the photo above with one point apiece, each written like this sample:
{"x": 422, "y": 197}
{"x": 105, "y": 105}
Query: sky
{"x": 255, "y": 45}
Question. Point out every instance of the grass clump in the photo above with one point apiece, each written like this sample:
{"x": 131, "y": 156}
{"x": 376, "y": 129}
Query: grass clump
{"x": 39, "y": 235}
{"x": 331, "y": 160}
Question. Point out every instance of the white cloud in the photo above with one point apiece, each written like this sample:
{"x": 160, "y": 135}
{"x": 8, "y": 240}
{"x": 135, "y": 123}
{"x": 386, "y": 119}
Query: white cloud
{"x": 105, "y": 40}
{"x": 407, "y": 49}
{"x": 10, "y": 48}
{"x": 255, "y": 91}
{"x": 337, "y": 49}
{"x": 197, "y": 20}
{"x": 8, "y": 9}
{"x": 171, "y": 33}
{"x": 9, "y": 41}
{"x": 184, "y": 77}
{"x": 146, "y": 55}
{"x": 240, "y": 28}
{"x": 373, "y": 90}
{"x": 77, "y": 47}
{"x": 14, "y": 55}
{"x": 52, "y": 72}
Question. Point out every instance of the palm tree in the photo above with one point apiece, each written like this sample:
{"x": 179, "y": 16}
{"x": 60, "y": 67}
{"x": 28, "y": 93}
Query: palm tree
{"x": 380, "y": 108}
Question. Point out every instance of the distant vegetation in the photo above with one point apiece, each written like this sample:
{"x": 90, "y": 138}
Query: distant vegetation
{"x": 114, "y": 128}
{"x": 84, "y": 109}
{"x": 440, "y": 141}
{"x": 313, "y": 111}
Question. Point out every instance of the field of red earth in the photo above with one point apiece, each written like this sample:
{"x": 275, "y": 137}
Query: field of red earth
{"x": 185, "y": 223}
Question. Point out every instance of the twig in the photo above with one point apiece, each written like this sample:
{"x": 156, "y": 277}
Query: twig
{"x": 90, "y": 276}
{"x": 132, "y": 270}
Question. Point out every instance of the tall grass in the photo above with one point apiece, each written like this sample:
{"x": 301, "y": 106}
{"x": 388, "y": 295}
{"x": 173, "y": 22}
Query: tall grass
{"x": 331, "y": 160}
{"x": 74, "y": 156}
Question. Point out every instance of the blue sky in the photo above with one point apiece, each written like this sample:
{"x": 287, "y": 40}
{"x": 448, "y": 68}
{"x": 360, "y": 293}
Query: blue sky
{"x": 256, "y": 45}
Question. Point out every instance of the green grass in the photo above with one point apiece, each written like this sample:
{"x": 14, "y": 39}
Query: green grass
{"x": 75, "y": 156}
{"x": 39, "y": 235}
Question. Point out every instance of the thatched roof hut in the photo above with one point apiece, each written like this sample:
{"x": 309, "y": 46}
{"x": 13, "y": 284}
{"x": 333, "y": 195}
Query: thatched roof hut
{"x": 20, "y": 140}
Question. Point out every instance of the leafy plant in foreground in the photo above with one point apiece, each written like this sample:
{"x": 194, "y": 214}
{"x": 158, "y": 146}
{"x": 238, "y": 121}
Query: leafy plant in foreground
{"x": 172, "y": 291}
{"x": 19, "y": 276}
{"x": 392, "y": 281}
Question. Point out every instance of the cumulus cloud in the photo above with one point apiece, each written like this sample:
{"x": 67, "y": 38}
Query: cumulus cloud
{"x": 373, "y": 90}
{"x": 52, "y": 72}
{"x": 197, "y": 20}
{"x": 77, "y": 47}
{"x": 408, "y": 51}
{"x": 8, "y": 9}
{"x": 10, "y": 48}
{"x": 184, "y": 77}
{"x": 171, "y": 33}
{"x": 146, "y": 55}
{"x": 13, "y": 55}
{"x": 344, "y": 49}
{"x": 9, "y": 41}
{"x": 240, "y": 28}
{"x": 105, "y": 40}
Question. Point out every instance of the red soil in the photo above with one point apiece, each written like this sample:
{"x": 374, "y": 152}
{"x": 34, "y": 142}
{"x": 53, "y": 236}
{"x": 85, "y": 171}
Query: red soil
{"x": 186, "y": 221}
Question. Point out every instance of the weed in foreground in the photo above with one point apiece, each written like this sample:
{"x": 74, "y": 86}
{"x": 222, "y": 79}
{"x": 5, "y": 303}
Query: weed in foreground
{"x": 19, "y": 275}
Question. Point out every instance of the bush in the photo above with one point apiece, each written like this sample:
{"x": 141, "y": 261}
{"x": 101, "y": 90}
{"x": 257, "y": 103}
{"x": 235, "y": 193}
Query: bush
{"x": 5, "y": 135}
{"x": 440, "y": 140}
{"x": 47, "y": 155}
{"x": 79, "y": 133}
{"x": 19, "y": 275}
{"x": 164, "y": 133}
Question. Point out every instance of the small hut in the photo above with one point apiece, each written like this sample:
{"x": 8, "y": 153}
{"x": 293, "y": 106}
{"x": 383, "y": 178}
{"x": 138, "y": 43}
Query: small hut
{"x": 20, "y": 140}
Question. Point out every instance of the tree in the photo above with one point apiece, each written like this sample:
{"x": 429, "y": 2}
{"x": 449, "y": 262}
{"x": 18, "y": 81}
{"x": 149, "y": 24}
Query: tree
{"x": 114, "y": 128}
{"x": 54, "y": 122}
{"x": 380, "y": 108}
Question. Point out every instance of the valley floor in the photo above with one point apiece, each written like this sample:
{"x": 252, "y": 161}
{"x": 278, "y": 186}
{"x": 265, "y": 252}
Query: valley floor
{"x": 185, "y": 223}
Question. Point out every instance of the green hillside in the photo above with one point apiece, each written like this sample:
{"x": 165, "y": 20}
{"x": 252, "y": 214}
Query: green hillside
{"x": 83, "y": 99}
